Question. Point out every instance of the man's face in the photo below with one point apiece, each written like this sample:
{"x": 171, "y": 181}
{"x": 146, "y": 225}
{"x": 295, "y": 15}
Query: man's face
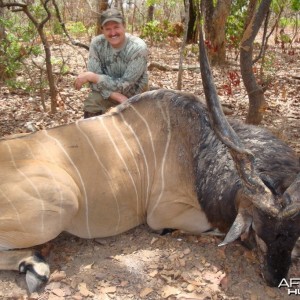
{"x": 114, "y": 33}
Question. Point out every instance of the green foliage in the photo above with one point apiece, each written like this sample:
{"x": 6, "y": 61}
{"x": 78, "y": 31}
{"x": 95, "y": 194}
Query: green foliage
{"x": 10, "y": 50}
{"x": 269, "y": 66}
{"x": 157, "y": 31}
{"x": 91, "y": 30}
{"x": 284, "y": 22}
{"x": 236, "y": 20}
{"x": 170, "y": 3}
{"x": 56, "y": 27}
{"x": 154, "y": 31}
{"x": 235, "y": 23}
{"x": 65, "y": 69}
{"x": 38, "y": 11}
{"x": 151, "y": 2}
{"x": 55, "y": 61}
{"x": 191, "y": 49}
{"x": 295, "y": 5}
{"x": 18, "y": 85}
{"x": 277, "y": 5}
{"x": 76, "y": 28}
{"x": 291, "y": 5}
{"x": 15, "y": 48}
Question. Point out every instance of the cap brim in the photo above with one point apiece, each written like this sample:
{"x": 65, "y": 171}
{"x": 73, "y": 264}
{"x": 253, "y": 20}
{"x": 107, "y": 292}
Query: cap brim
{"x": 118, "y": 20}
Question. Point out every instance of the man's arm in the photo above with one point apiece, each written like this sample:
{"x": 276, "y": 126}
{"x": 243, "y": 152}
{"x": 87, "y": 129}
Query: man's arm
{"x": 94, "y": 78}
{"x": 118, "y": 97}
{"x": 85, "y": 77}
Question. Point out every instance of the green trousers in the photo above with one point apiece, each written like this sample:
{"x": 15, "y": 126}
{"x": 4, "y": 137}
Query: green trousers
{"x": 95, "y": 104}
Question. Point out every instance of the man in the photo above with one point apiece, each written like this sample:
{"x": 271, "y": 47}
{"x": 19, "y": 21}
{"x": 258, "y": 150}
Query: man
{"x": 117, "y": 66}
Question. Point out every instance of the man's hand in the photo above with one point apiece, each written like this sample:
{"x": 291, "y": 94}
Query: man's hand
{"x": 84, "y": 78}
{"x": 118, "y": 97}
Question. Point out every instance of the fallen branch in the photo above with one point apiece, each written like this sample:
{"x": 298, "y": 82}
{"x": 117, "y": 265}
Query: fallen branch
{"x": 162, "y": 67}
{"x": 296, "y": 77}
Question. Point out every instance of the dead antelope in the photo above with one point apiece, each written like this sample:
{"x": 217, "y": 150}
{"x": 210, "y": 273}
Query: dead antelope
{"x": 156, "y": 159}
{"x": 151, "y": 160}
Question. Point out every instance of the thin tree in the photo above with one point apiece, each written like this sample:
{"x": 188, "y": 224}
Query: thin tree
{"x": 187, "y": 17}
{"x": 150, "y": 13}
{"x": 2, "y": 28}
{"x": 255, "y": 92}
{"x": 215, "y": 20}
{"x": 39, "y": 25}
{"x": 192, "y": 35}
{"x": 2, "y": 37}
{"x": 102, "y": 6}
{"x": 63, "y": 26}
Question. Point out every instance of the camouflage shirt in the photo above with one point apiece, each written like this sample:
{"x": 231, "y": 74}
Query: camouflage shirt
{"x": 122, "y": 70}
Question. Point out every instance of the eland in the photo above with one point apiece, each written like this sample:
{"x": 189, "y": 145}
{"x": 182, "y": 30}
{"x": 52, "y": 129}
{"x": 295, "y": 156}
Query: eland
{"x": 163, "y": 158}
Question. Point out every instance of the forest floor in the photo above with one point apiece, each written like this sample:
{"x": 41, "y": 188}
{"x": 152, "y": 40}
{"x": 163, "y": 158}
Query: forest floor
{"x": 141, "y": 264}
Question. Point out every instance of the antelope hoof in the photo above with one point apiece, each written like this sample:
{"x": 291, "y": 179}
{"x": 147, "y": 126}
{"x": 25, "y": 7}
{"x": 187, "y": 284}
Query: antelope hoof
{"x": 37, "y": 272}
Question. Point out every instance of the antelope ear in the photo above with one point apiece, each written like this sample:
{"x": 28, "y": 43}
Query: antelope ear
{"x": 240, "y": 225}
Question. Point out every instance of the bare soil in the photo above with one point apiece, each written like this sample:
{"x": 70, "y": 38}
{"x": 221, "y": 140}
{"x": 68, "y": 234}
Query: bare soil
{"x": 141, "y": 264}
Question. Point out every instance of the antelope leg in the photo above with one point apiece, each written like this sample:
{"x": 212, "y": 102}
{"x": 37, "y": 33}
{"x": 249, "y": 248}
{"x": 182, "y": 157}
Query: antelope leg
{"x": 26, "y": 261}
{"x": 37, "y": 202}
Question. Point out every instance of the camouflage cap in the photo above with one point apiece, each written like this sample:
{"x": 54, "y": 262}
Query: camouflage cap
{"x": 111, "y": 14}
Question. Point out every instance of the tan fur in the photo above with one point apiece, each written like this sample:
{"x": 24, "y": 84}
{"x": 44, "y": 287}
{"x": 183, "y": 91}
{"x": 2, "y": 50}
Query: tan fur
{"x": 99, "y": 177}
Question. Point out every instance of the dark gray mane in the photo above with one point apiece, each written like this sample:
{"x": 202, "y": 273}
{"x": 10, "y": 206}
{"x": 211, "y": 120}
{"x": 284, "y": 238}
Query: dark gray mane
{"x": 222, "y": 181}
{"x": 273, "y": 156}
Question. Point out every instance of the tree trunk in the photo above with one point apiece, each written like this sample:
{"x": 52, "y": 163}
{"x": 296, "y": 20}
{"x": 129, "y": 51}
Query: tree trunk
{"x": 117, "y": 4}
{"x": 2, "y": 29}
{"x": 150, "y": 14}
{"x": 2, "y": 37}
{"x": 187, "y": 18}
{"x": 208, "y": 9}
{"x": 257, "y": 103}
{"x": 103, "y": 5}
{"x": 192, "y": 35}
{"x": 215, "y": 20}
{"x": 52, "y": 86}
{"x": 250, "y": 12}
